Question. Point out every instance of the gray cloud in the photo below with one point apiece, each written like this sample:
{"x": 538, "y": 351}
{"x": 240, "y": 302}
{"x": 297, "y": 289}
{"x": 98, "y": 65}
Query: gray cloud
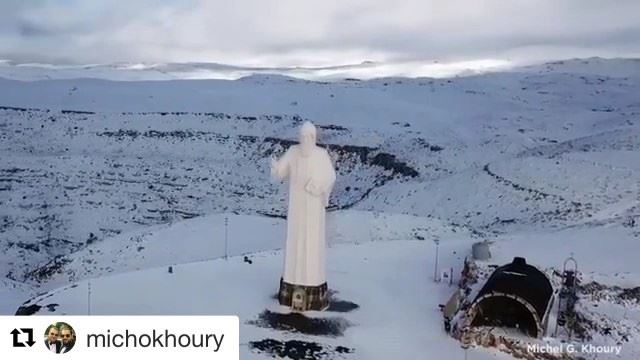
{"x": 291, "y": 32}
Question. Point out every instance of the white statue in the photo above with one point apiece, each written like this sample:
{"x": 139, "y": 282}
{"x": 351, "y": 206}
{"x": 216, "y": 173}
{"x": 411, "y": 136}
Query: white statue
{"x": 311, "y": 176}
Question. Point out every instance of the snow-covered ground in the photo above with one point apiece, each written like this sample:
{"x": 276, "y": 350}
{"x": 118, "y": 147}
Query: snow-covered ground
{"x": 115, "y": 181}
{"x": 390, "y": 281}
{"x": 387, "y": 273}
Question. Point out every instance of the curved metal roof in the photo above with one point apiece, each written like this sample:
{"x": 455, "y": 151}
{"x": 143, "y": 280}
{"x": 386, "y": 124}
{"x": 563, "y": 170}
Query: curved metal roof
{"x": 523, "y": 280}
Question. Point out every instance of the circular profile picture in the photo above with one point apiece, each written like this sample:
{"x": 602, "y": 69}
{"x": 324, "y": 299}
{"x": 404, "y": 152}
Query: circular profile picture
{"x": 59, "y": 338}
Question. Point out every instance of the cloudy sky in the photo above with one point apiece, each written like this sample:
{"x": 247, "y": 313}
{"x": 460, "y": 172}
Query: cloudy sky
{"x": 315, "y": 33}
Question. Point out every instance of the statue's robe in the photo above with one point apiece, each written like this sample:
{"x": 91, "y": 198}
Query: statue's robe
{"x": 311, "y": 179}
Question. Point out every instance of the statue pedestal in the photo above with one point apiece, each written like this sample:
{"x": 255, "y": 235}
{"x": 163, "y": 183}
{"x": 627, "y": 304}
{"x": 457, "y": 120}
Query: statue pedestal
{"x": 303, "y": 298}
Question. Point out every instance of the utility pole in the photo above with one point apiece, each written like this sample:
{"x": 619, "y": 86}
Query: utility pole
{"x": 435, "y": 270}
{"x": 226, "y": 237}
{"x": 89, "y": 297}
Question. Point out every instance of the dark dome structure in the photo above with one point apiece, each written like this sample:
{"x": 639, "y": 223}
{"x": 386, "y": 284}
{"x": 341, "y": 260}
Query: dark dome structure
{"x": 516, "y": 295}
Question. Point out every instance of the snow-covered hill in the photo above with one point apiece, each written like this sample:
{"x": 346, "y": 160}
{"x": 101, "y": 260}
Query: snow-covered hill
{"x": 101, "y": 178}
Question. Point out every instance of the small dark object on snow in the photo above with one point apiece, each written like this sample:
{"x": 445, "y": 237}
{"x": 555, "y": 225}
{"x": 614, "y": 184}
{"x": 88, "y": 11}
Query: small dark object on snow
{"x": 28, "y": 310}
{"x": 447, "y": 324}
{"x": 170, "y": 269}
{"x": 92, "y": 238}
{"x": 297, "y": 322}
{"x": 247, "y": 260}
{"x": 297, "y": 349}
{"x": 337, "y": 305}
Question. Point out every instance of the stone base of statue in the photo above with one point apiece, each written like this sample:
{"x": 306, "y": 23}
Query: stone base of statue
{"x": 303, "y": 298}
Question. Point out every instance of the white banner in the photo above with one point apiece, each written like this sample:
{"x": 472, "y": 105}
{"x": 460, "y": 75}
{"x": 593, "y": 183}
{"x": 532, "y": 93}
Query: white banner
{"x": 119, "y": 337}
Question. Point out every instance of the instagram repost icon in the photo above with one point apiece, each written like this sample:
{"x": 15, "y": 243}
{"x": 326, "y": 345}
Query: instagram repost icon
{"x": 59, "y": 338}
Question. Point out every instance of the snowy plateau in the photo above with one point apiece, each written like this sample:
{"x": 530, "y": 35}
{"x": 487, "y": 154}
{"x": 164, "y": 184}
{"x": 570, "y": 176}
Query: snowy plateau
{"x": 108, "y": 179}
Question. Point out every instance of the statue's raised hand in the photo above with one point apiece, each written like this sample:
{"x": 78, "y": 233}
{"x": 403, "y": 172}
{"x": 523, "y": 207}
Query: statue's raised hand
{"x": 312, "y": 188}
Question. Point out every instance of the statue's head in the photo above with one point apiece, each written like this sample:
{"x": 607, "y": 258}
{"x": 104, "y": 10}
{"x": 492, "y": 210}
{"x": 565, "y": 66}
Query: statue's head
{"x": 307, "y": 138}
